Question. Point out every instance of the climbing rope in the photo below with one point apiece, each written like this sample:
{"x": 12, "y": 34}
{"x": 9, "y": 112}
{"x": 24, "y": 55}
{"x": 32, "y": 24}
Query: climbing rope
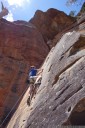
{"x": 13, "y": 107}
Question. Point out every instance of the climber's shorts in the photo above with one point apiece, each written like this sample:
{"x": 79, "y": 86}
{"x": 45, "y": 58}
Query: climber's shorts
{"x": 32, "y": 79}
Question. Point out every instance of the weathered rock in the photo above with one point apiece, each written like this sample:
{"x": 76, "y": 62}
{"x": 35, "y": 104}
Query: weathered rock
{"x": 22, "y": 42}
{"x": 13, "y": 76}
{"x": 21, "y": 45}
{"x": 51, "y": 22}
{"x": 62, "y": 91}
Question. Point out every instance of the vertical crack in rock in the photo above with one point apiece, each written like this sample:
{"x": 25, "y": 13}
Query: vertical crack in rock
{"x": 62, "y": 91}
{"x": 71, "y": 94}
{"x": 57, "y": 76}
{"x": 79, "y": 45}
{"x": 68, "y": 96}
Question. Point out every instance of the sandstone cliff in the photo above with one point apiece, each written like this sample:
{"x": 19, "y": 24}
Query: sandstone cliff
{"x": 60, "y": 99}
{"x": 21, "y": 45}
{"x": 51, "y": 22}
{"x": 25, "y": 43}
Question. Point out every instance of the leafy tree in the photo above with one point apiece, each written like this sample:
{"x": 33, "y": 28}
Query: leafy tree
{"x": 77, "y": 2}
{"x": 69, "y": 2}
{"x": 83, "y": 8}
{"x": 72, "y": 13}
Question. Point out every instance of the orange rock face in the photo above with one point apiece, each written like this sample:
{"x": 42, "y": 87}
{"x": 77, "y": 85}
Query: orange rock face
{"x": 22, "y": 42}
{"x": 21, "y": 45}
{"x": 51, "y": 22}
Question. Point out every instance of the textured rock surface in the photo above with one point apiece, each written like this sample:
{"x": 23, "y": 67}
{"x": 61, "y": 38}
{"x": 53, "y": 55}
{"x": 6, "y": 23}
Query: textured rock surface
{"x": 22, "y": 42}
{"x": 21, "y": 45}
{"x": 61, "y": 95}
{"x": 51, "y": 22}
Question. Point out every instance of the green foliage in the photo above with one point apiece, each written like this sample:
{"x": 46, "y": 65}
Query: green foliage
{"x": 78, "y": 2}
{"x": 72, "y": 13}
{"x": 83, "y": 8}
{"x": 69, "y": 2}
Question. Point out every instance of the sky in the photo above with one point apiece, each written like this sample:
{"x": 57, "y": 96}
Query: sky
{"x": 25, "y": 9}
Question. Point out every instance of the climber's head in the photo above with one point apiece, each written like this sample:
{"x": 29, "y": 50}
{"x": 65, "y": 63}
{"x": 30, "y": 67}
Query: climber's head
{"x": 32, "y": 66}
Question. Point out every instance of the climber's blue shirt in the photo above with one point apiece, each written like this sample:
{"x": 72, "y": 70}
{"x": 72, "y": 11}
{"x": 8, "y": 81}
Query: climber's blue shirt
{"x": 32, "y": 72}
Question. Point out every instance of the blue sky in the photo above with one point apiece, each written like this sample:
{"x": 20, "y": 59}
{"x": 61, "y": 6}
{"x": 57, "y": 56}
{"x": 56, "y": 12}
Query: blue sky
{"x": 25, "y": 9}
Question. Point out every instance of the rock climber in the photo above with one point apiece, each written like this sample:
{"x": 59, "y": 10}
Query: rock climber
{"x": 32, "y": 74}
{"x": 34, "y": 81}
{"x": 31, "y": 78}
